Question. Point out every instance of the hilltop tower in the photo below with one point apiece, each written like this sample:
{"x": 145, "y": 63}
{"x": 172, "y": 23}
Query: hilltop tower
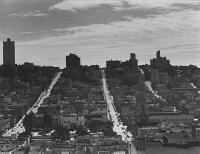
{"x": 8, "y": 52}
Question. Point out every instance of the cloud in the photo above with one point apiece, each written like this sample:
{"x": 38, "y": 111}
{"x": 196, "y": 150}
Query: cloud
{"x": 177, "y": 25}
{"x": 120, "y": 27}
{"x": 73, "y": 5}
{"x": 27, "y": 14}
{"x": 158, "y": 3}
{"x": 39, "y": 14}
{"x": 26, "y": 32}
{"x": 140, "y": 35}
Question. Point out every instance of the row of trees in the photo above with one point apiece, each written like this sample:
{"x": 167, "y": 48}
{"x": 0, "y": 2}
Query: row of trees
{"x": 63, "y": 133}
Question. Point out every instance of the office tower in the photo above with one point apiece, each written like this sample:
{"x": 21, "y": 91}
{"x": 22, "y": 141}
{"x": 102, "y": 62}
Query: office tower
{"x": 9, "y": 52}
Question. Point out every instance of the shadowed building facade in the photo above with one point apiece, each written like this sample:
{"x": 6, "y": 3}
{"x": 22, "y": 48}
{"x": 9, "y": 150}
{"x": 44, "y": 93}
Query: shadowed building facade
{"x": 73, "y": 61}
{"x": 8, "y": 52}
{"x": 160, "y": 63}
{"x": 133, "y": 61}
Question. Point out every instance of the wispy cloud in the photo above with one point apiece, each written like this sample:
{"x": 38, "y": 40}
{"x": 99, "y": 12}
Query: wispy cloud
{"x": 26, "y": 32}
{"x": 39, "y": 14}
{"x": 170, "y": 27}
{"x": 105, "y": 29}
{"x": 159, "y": 3}
{"x": 73, "y": 5}
{"x": 142, "y": 35}
{"x": 27, "y": 14}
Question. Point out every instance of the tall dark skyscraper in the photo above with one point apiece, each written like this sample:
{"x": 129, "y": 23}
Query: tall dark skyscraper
{"x": 9, "y": 52}
{"x": 73, "y": 61}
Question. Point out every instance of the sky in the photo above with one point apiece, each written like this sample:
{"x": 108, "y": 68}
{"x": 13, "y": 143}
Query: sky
{"x": 45, "y": 31}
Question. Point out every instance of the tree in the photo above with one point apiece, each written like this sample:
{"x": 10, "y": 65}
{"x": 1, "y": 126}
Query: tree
{"x": 7, "y": 71}
{"x": 185, "y": 110}
{"x": 61, "y": 133}
{"x": 100, "y": 126}
{"x": 27, "y": 122}
{"x": 78, "y": 106}
{"x": 81, "y": 131}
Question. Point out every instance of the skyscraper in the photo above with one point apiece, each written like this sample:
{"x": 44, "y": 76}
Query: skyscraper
{"x": 9, "y": 52}
{"x": 73, "y": 61}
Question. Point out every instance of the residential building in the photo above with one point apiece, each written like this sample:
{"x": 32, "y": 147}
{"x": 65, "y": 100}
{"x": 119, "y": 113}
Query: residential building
{"x": 69, "y": 120}
{"x": 133, "y": 61}
{"x": 172, "y": 117}
{"x": 5, "y": 84}
{"x": 97, "y": 143}
{"x": 160, "y": 63}
{"x": 176, "y": 138}
{"x": 7, "y": 99}
{"x": 101, "y": 117}
{"x": 57, "y": 121}
{"x": 141, "y": 105}
{"x": 110, "y": 64}
{"x": 81, "y": 120}
{"x": 73, "y": 61}
{"x": 159, "y": 78}
{"x": 8, "y": 52}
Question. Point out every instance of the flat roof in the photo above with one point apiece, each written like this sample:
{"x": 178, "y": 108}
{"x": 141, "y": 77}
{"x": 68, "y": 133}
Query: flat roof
{"x": 164, "y": 113}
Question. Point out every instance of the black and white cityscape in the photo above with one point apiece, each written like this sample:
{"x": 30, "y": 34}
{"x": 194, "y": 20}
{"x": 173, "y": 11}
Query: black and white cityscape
{"x": 99, "y": 77}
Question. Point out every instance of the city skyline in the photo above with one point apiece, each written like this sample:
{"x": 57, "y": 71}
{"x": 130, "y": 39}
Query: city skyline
{"x": 46, "y": 31}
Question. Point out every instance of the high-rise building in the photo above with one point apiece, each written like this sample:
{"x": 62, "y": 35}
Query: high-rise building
{"x": 73, "y": 61}
{"x": 9, "y": 52}
{"x": 133, "y": 61}
{"x": 160, "y": 63}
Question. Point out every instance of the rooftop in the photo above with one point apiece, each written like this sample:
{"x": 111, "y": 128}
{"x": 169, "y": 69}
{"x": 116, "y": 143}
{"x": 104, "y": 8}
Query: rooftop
{"x": 165, "y": 113}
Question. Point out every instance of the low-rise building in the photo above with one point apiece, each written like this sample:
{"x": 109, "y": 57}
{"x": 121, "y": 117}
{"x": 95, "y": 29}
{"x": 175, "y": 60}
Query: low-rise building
{"x": 57, "y": 121}
{"x": 69, "y": 120}
{"x": 172, "y": 117}
{"x": 101, "y": 117}
{"x": 159, "y": 78}
{"x": 177, "y": 138}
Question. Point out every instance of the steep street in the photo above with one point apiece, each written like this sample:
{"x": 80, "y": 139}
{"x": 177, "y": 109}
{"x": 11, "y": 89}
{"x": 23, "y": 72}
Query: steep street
{"x": 118, "y": 126}
{"x": 19, "y": 128}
